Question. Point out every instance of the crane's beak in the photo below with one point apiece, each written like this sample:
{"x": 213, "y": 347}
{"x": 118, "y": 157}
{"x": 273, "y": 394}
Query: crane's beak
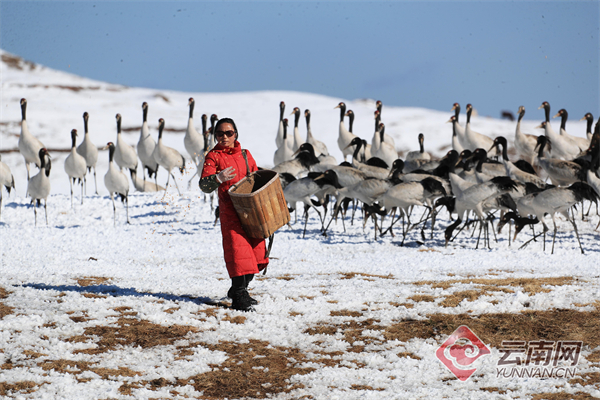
{"x": 557, "y": 114}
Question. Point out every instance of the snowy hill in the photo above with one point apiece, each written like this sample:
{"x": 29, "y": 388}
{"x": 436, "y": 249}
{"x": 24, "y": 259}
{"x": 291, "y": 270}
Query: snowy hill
{"x": 91, "y": 309}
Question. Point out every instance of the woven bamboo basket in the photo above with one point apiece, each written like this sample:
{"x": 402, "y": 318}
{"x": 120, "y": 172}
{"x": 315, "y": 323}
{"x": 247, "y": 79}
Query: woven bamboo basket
{"x": 259, "y": 202}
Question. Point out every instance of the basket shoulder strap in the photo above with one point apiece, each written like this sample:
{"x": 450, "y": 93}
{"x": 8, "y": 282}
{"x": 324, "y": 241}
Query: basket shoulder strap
{"x": 246, "y": 160}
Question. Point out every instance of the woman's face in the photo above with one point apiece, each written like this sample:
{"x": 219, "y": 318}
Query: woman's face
{"x": 222, "y": 134}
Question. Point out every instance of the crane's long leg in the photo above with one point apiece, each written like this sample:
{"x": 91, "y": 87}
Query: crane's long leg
{"x": 127, "y": 206}
{"x": 71, "y": 186}
{"x": 479, "y": 236}
{"x": 46, "y": 210}
{"x": 95, "y": 182}
{"x": 576, "y": 233}
{"x": 112, "y": 197}
{"x": 554, "y": 237}
{"x": 34, "y": 211}
{"x": 305, "y": 220}
{"x": 82, "y": 184}
{"x": 176, "y": 185}
{"x": 167, "y": 185}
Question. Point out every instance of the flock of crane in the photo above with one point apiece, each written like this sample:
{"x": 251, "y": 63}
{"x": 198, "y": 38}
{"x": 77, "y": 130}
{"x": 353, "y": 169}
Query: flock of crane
{"x": 555, "y": 172}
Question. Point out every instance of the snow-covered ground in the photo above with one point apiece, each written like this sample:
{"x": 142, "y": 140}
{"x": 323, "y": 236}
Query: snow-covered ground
{"x": 89, "y": 310}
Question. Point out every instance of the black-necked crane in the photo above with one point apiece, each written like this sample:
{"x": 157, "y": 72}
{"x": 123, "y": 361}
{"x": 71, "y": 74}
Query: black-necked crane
{"x": 143, "y": 186}
{"x": 88, "y": 150}
{"x": 6, "y": 179}
{"x": 168, "y": 157}
{"x": 304, "y": 159}
{"x": 38, "y": 187}
{"x": 279, "y": 138}
{"x": 302, "y": 190}
{"x": 590, "y": 121}
{"x": 477, "y": 140}
{"x": 369, "y": 170}
{"x": 145, "y": 148}
{"x": 320, "y": 147}
{"x": 458, "y": 129}
{"x": 562, "y": 146}
{"x": 75, "y": 166}
{"x": 524, "y": 142}
{"x": 29, "y": 145}
{"x": 297, "y": 138}
{"x": 420, "y": 154}
{"x": 560, "y": 172}
{"x": 471, "y": 197}
{"x": 284, "y": 152}
{"x": 125, "y": 155}
{"x": 558, "y": 200}
{"x": 366, "y": 152}
{"x": 344, "y": 135}
{"x": 582, "y": 143}
{"x": 193, "y": 141}
{"x": 513, "y": 171}
{"x": 408, "y": 194}
{"x": 456, "y": 145}
{"x": 386, "y": 151}
{"x": 211, "y": 132}
{"x": 116, "y": 182}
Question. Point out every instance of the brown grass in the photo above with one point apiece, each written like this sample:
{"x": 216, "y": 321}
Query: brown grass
{"x": 92, "y": 280}
{"x": 239, "y": 319}
{"x": 407, "y": 305}
{"x": 590, "y": 378}
{"x": 351, "y": 275}
{"x": 562, "y": 396}
{"x": 247, "y": 374}
{"x": 594, "y": 357}
{"x": 493, "y": 389}
{"x": 529, "y": 285}
{"x": 23, "y": 387}
{"x": 4, "y": 309}
{"x": 130, "y": 332}
{"x": 421, "y": 298}
{"x": 364, "y": 387}
{"x": 494, "y": 328}
{"x": 345, "y": 313}
{"x": 94, "y": 296}
{"x": 405, "y": 354}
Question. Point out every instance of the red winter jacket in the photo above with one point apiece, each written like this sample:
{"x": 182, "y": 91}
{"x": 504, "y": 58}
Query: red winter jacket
{"x": 243, "y": 255}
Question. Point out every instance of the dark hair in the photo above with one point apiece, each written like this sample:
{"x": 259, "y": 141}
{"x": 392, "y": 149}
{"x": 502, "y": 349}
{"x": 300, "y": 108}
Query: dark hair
{"x": 225, "y": 121}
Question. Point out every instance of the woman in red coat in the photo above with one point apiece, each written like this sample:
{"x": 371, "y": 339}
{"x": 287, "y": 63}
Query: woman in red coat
{"x": 224, "y": 166}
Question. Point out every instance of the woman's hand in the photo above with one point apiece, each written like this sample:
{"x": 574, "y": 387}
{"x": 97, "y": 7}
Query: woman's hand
{"x": 226, "y": 175}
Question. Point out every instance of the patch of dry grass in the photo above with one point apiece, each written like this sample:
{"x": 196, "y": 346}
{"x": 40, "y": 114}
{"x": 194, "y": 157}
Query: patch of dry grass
{"x": 23, "y": 387}
{"x": 345, "y": 313}
{"x": 528, "y": 285}
{"x": 367, "y": 277}
{"x": 406, "y": 354}
{"x": 494, "y": 328}
{"x": 254, "y": 370}
{"x": 364, "y": 387}
{"x": 92, "y": 280}
{"x": 563, "y": 396}
{"x": 417, "y": 298}
{"x": 590, "y": 378}
{"x": 4, "y": 309}
{"x": 130, "y": 331}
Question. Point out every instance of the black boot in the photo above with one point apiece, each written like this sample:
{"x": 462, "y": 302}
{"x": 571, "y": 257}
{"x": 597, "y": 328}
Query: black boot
{"x": 240, "y": 299}
{"x": 249, "y": 278}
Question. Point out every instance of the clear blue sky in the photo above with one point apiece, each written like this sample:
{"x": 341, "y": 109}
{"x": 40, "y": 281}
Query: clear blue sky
{"x": 496, "y": 55}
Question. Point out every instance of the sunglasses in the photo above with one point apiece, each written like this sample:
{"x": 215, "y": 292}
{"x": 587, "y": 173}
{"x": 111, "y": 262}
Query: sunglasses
{"x": 220, "y": 134}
